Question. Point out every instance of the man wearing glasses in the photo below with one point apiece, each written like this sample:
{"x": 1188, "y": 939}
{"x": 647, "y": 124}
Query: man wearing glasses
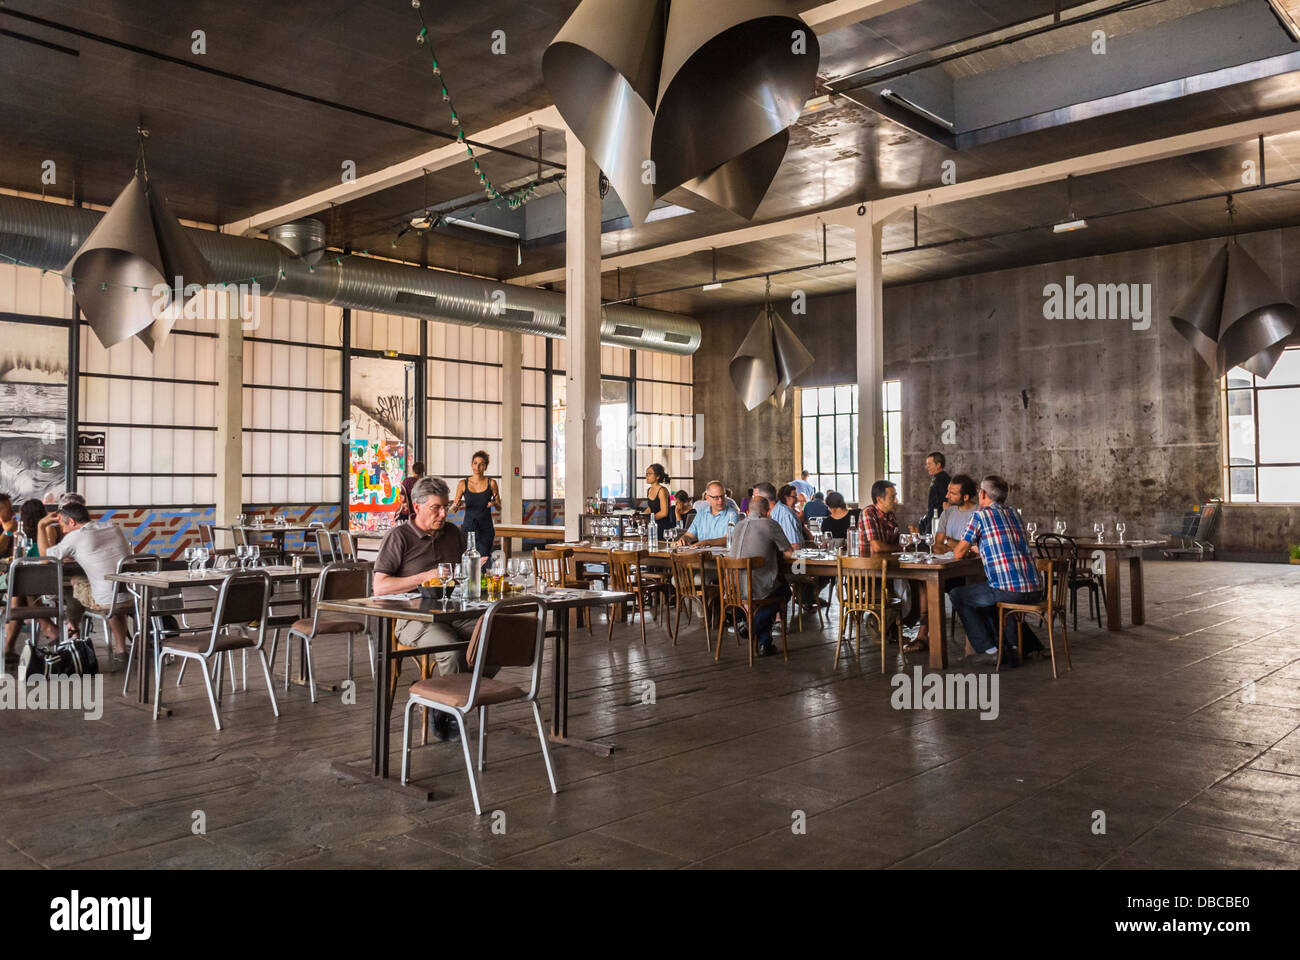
{"x": 710, "y": 526}
{"x": 409, "y": 555}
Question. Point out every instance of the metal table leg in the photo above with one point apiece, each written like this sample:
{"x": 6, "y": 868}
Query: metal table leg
{"x": 560, "y": 695}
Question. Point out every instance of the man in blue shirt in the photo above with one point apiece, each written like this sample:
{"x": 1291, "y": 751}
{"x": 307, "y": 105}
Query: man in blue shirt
{"x": 816, "y": 507}
{"x": 803, "y": 487}
{"x": 780, "y": 510}
{"x": 710, "y": 526}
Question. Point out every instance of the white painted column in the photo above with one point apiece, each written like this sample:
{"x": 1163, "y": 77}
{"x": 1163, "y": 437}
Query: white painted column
{"x": 512, "y": 417}
{"x": 230, "y": 424}
{"x": 870, "y": 327}
{"x": 582, "y": 326}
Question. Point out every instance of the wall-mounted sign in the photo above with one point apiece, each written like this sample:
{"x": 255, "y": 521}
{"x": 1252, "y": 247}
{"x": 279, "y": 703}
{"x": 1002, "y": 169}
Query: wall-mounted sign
{"x": 91, "y": 449}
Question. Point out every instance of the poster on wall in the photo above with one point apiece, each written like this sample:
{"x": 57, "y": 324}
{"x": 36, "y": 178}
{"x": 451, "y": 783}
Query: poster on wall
{"x": 92, "y": 447}
{"x": 376, "y": 441}
{"x": 33, "y": 409}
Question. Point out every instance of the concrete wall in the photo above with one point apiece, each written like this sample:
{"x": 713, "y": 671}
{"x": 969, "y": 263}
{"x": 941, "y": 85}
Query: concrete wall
{"x": 1088, "y": 418}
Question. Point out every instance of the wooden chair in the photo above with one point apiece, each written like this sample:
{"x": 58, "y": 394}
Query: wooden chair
{"x": 626, "y": 575}
{"x": 510, "y": 634}
{"x": 690, "y": 586}
{"x": 555, "y": 566}
{"x": 1056, "y": 577}
{"x": 864, "y": 591}
{"x": 736, "y": 588}
{"x": 799, "y": 583}
{"x": 1054, "y": 546}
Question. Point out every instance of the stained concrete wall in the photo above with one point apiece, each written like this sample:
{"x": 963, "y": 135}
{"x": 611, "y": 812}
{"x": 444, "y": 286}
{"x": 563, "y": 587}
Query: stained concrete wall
{"x": 1088, "y": 418}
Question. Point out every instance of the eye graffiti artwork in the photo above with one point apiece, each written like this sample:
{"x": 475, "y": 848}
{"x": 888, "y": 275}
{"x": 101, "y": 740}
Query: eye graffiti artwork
{"x": 33, "y": 410}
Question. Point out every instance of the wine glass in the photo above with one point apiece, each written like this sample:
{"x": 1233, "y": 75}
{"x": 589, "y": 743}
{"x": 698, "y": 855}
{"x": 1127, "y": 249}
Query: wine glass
{"x": 254, "y": 554}
{"x": 1031, "y": 528}
{"x": 201, "y": 555}
{"x": 1060, "y": 528}
{"x": 1099, "y": 529}
{"x": 1120, "y": 527}
{"x": 189, "y": 559}
{"x": 447, "y": 577}
{"x": 241, "y": 554}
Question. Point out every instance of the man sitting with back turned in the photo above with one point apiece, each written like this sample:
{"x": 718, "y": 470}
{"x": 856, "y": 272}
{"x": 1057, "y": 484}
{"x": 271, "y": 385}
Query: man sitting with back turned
{"x": 96, "y": 546}
{"x": 710, "y": 525}
{"x": 1008, "y": 566}
{"x": 409, "y": 555}
{"x": 780, "y": 510}
{"x": 759, "y": 536}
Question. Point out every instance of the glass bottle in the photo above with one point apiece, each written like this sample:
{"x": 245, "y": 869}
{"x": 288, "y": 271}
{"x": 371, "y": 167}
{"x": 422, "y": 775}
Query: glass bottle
{"x": 470, "y": 563}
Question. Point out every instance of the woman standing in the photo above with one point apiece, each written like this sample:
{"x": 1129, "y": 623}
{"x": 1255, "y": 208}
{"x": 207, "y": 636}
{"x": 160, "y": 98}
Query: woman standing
{"x": 659, "y": 500}
{"x": 478, "y": 495}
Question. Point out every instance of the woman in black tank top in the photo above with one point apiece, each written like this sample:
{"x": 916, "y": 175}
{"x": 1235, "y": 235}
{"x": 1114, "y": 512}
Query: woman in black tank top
{"x": 478, "y": 504}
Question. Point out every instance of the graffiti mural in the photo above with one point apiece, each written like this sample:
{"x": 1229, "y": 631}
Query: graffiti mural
{"x": 33, "y": 409}
{"x": 376, "y": 444}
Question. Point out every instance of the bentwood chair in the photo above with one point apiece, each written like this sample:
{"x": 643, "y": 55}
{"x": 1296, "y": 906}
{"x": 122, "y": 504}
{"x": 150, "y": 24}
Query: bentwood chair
{"x": 627, "y": 575}
{"x": 338, "y": 581}
{"x": 1054, "y": 546}
{"x": 736, "y": 588}
{"x": 690, "y": 587}
{"x": 242, "y": 604}
{"x": 35, "y": 578}
{"x": 863, "y": 591}
{"x": 1056, "y": 579}
{"x": 511, "y": 634}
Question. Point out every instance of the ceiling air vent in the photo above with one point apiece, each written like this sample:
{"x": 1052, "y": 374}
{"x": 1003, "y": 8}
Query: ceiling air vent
{"x": 623, "y": 330}
{"x": 676, "y": 338}
{"x": 404, "y": 299}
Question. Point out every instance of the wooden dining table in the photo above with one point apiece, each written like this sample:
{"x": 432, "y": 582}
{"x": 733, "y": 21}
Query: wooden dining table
{"x": 389, "y": 610}
{"x": 1112, "y": 553}
{"x": 934, "y": 577}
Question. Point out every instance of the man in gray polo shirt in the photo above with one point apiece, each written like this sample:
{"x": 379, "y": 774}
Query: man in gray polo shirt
{"x": 759, "y": 536}
{"x": 408, "y": 556}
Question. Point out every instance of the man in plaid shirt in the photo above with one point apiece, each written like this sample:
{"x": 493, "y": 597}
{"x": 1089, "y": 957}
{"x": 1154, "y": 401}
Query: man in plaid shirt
{"x": 1008, "y": 567}
{"x": 879, "y": 526}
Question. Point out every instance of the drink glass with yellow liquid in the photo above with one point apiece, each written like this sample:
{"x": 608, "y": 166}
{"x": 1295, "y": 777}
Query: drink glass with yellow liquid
{"x": 494, "y": 582}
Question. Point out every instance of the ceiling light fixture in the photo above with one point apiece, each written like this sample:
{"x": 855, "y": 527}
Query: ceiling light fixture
{"x": 817, "y": 104}
{"x": 667, "y": 212}
{"x": 711, "y": 286}
{"x": 1069, "y": 225}
{"x": 902, "y": 101}
{"x": 1288, "y": 14}
{"x": 481, "y": 227}
{"x": 1071, "y": 222}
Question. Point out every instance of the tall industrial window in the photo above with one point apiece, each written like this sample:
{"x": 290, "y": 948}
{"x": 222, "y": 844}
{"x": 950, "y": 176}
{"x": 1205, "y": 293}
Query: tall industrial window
{"x": 828, "y": 428}
{"x": 1261, "y": 455}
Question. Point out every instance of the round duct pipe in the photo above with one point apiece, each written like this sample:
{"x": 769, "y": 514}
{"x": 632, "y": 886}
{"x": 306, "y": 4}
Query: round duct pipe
{"x": 47, "y": 234}
{"x": 305, "y": 239}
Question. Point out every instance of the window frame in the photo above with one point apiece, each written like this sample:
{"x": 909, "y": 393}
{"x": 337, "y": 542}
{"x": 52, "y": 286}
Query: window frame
{"x": 1226, "y": 465}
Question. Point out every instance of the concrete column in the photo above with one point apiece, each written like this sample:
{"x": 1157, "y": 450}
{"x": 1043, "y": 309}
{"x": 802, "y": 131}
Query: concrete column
{"x": 870, "y": 326}
{"x": 582, "y": 330}
{"x": 512, "y": 421}
{"x": 230, "y": 423}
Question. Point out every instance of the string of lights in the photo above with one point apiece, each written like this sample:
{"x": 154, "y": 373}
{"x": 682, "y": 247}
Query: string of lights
{"x": 513, "y": 199}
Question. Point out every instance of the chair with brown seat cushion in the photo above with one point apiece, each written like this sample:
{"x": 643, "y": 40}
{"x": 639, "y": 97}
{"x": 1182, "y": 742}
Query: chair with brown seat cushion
{"x": 511, "y": 634}
{"x": 337, "y": 581}
{"x": 123, "y": 603}
{"x": 1056, "y": 578}
{"x": 736, "y": 587}
{"x": 35, "y": 577}
{"x": 555, "y": 566}
{"x": 242, "y": 604}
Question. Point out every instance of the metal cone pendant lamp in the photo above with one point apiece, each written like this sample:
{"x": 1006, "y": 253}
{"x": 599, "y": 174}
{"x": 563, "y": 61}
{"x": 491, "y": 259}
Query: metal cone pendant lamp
{"x": 694, "y": 93}
{"x": 137, "y": 245}
{"x": 769, "y": 360}
{"x": 1236, "y": 316}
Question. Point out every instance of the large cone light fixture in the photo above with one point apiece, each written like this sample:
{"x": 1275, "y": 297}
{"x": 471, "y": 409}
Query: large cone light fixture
{"x": 138, "y": 245}
{"x": 769, "y": 360}
{"x": 671, "y": 93}
{"x": 1236, "y": 316}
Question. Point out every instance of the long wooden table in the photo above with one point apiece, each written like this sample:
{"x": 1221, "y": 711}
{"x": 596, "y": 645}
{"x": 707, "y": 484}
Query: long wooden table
{"x": 934, "y": 576}
{"x": 508, "y": 532}
{"x": 388, "y": 610}
{"x": 1113, "y": 552}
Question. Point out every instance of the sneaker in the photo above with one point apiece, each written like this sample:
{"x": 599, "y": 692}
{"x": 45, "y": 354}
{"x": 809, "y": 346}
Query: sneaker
{"x": 445, "y": 728}
{"x": 767, "y": 649}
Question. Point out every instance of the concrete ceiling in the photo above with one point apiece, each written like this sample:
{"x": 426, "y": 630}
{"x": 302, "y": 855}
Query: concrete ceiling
{"x": 226, "y": 147}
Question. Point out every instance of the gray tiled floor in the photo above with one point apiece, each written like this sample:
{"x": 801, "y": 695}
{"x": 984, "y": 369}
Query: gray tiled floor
{"x": 1184, "y": 733}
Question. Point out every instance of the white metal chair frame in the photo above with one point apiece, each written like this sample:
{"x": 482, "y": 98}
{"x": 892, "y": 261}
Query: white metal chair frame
{"x": 513, "y": 605}
{"x": 331, "y": 572}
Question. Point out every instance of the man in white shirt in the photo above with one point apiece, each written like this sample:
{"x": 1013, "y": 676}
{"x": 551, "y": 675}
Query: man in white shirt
{"x": 803, "y": 488}
{"x": 96, "y": 546}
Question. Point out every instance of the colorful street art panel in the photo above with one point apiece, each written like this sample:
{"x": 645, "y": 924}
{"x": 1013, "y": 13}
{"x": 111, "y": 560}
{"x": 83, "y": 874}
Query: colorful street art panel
{"x": 376, "y": 470}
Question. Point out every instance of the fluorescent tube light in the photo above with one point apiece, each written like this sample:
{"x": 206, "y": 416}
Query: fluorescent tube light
{"x": 712, "y": 286}
{"x": 1069, "y": 225}
{"x": 481, "y": 227}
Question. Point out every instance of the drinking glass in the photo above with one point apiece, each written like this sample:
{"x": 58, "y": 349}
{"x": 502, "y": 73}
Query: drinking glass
{"x": 189, "y": 559}
{"x": 1031, "y": 528}
{"x": 254, "y": 554}
{"x": 241, "y": 554}
{"x": 1060, "y": 528}
{"x": 1099, "y": 529}
{"x": 447, "y": 577}
{"x": 1120, "y": 527}
{"x": 905, "y": 542}
{"x": 202, "y": 556}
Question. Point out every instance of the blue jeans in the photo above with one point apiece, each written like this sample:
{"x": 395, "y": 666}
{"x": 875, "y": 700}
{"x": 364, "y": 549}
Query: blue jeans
{"x": 764, "y": 617}
{"x": 977, "y": 605}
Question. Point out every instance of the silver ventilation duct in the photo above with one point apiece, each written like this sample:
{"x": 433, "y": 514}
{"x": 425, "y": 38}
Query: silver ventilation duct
{"x": 47, "y": 234}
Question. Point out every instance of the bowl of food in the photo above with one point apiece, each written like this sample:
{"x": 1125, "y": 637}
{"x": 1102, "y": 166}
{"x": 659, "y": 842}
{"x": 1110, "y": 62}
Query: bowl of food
{"x": 431, "y": 589}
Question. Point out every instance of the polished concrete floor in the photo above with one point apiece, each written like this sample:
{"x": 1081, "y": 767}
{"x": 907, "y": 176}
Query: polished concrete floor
{"x": 1181, "y": 738}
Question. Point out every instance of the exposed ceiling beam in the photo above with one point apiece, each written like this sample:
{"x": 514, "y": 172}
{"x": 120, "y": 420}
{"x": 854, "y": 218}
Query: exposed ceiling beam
{"x": 882, "y": 209}
{"x": 502, "y": 135}
{"x": 826, "y": 17}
